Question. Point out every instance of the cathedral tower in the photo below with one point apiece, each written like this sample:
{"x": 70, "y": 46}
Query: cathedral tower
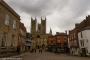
{"x": 43, "y": 25}
{"x": 33, "y": 25}
{"x": 38, "y": 31}
{"x": 39, "y": 28}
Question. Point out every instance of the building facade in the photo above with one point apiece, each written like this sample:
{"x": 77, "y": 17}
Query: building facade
{"x": 51, "y": 43}
{"x": 22, "y": 37}
{"x": 84, "y": 41}
{"x": 73, "y": 35}
{"x": 9, "y": 28}
{"x": 28, "y": 41}
{"x": 73, "y": 42}
{"x": 38, "y": 32}
{"x": 58, "y": 43}
{"x": 62, "y": 42}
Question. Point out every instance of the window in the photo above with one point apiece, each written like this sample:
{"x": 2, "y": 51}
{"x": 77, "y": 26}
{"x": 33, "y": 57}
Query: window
{"x": 11, "y": 21}
{"x": 3, "y": 43}
{"x": 14, "y": 24}
{"x": 87, "y": 50}
{"x": 3, "y": 40}
{"x": 12, "y": 40}
{"x": 87, "y": 40}
{"x": 74, "y": 35}
{"x": 82, "y": 43}
{"x": 7, "y": 20}
{"x": 81, "y": 35}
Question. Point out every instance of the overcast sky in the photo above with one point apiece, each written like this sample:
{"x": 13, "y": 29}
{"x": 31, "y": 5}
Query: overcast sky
{"x": 61, "y": 14}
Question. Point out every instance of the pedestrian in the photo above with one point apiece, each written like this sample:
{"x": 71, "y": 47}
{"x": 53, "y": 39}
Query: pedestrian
{"x": 35, "y": 50}
{"x": 40, "y": 50}
{"x": 18, "y": 50}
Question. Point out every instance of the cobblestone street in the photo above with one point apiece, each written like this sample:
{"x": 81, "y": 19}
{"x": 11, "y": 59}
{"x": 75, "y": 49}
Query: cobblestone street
{"x": 48, "y": 56}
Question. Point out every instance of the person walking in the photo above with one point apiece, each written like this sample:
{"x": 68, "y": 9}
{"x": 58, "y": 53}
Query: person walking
{"x": 40, "y": 50}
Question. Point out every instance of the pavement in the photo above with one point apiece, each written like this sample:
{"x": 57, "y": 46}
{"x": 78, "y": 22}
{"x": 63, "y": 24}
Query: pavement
{"x": 46, "y": 56}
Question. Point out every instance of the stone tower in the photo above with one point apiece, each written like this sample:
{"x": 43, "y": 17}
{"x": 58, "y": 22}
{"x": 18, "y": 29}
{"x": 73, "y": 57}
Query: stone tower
{"x": 43, "y": 26}
{"x": 33, "y": 25}
{"x": 38, "y": 31}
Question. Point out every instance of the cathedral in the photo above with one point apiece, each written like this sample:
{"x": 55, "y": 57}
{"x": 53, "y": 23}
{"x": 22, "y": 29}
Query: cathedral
{"x": 38, "y": 32}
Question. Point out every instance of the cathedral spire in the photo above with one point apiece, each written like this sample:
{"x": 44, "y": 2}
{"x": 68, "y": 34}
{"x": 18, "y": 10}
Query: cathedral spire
{"x": 45, "y": 17}
{"x": 50, "y": 31}
{"x": 41, "y": 18}
{"x": 31, "y": 18}
{"x": 35, "y": 18}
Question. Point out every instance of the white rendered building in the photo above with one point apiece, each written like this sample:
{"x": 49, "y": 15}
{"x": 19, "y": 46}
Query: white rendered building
{"x": 84, "y": 41}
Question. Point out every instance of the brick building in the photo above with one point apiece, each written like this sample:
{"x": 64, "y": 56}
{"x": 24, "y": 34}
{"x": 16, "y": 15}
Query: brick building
{"x": 73, "y": 41}
{"x": 51, "y": 43}
{"x": 62, "y": 42}
{"x": 58, "y": 42}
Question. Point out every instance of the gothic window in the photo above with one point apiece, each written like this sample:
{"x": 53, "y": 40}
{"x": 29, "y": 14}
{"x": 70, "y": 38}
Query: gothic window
{"x": 7, "y": 19}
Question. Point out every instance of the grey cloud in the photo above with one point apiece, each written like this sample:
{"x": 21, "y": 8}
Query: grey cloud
{"x": 38, "y": 7}
{"x": 77, "y": 8}
{"x": 68, "y": 11}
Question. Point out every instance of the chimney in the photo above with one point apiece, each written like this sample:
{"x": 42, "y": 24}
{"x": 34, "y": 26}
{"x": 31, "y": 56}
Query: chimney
{"x": 76, "y": 25}
{"x": 66, "y": 31}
